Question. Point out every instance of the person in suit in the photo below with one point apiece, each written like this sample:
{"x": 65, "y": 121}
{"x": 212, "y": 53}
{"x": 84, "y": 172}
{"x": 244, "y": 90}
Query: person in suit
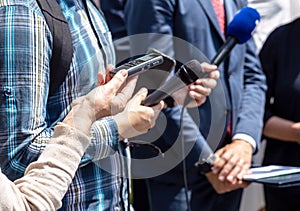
{"x": 243, "y": 84}
{"x": 280, "y": 61}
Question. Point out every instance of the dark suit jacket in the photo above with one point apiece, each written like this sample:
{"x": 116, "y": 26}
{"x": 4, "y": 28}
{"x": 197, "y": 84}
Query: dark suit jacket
{"x": 242, "y": 82}
{"x": 114, "y": 14}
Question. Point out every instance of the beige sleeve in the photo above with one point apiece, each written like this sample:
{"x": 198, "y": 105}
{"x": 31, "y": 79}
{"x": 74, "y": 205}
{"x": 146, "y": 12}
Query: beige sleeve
{"x": 46, "y": 181}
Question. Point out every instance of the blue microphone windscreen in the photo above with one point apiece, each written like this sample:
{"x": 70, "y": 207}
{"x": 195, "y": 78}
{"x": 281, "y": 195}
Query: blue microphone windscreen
{"x": 243, "y": 23}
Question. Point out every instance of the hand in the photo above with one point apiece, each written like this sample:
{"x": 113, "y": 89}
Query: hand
{"x": 224, "y": 186}
{"x": 124, "y": 93}
{"x": 96, "y": 104}
{"x": 200, "y": 89}
{"x": 234, "y": 161}
{"x": 137, "y": 119}
{"x": 116, "y": 95}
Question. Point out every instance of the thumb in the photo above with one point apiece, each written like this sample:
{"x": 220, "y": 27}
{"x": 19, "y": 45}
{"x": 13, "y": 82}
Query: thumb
{"x": 117, "y": 81}
{"x": 139, "y": 96}
{"x": 158, "y": 106}
{"x": 157, "y": 109}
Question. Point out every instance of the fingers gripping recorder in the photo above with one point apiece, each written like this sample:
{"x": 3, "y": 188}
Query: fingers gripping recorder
{"x": 140, "y": 64}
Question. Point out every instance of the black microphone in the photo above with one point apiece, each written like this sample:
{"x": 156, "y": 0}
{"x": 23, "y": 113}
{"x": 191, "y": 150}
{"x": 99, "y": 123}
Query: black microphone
{"x": 187, "y": 74}
{"x": 239, "y": 31}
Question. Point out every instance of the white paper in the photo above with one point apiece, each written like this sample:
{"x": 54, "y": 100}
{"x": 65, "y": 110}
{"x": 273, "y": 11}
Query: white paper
{"x": 270, "y": 171}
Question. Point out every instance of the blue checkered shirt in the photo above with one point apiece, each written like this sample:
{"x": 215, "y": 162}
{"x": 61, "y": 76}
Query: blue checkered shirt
{"x": 28, "y": 114}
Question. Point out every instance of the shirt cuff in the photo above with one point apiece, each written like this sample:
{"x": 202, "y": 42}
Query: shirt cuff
{"x": 247, "y": 138}
{"x": 104, "y": 140}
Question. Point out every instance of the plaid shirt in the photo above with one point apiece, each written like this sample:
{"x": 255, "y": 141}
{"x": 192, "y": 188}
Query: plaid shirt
{"x": 28, "y": 115}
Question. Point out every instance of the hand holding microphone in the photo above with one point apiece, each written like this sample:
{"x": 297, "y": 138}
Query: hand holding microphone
{"x": 186, "y": 75}
{"x": 195, "y": 94}
{"x": 238, "y": 32}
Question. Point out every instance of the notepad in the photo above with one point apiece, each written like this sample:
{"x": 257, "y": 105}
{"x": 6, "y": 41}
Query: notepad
{"x": 276, "y": 176}
{"x": 271, "y": 171}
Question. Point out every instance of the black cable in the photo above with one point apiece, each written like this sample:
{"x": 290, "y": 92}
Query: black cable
{"x": 186, "y": 189}
{"x": 140, "y": 143}
{"x": 144, "y": 143}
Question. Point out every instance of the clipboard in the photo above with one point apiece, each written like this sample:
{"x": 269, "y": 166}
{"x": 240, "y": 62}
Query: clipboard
{"x": 275, "y": 176}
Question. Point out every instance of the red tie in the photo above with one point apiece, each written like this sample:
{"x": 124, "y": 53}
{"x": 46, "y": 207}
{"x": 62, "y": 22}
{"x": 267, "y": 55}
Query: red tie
{"x": 229, "y": 127}
{"x": 220, "y": 12}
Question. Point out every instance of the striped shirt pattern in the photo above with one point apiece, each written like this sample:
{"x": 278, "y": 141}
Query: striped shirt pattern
{"x": 28, "y": 114}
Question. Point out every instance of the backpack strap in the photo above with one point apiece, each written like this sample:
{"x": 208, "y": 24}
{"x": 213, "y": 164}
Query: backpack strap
{"x": 62, "y": 51}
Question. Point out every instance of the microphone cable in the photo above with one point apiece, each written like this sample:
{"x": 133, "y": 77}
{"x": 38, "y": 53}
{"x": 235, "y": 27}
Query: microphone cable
{"x": 184, "y": 169}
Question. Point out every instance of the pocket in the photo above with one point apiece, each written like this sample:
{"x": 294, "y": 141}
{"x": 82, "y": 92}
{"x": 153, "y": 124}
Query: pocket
{"x": 8, "y": 110}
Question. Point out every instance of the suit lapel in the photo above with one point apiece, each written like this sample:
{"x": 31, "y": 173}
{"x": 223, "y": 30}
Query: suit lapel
{"x": 231, "y": 9}
{"x": 210, "y": 12}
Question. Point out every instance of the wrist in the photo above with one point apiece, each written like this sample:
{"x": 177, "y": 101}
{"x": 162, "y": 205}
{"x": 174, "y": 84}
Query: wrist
{"x": 79, "y": 120}
{"x": 121, "y": 123}
{"x": 246, "y": 145}
{"x": 85, "y": 108}
{"x": 246, "y": 138}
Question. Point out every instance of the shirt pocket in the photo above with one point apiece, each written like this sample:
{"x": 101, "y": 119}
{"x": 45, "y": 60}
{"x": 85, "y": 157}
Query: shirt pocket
{"x": 8, "y": 110}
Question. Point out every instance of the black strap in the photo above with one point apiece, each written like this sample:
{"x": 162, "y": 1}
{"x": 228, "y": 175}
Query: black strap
{"x": 94, "y": 29}
{"x": 62, "y": 51}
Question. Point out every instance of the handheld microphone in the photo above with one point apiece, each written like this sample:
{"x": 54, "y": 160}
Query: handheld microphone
{"x": 239, "y": 31}
{"x": 187, "y": 74}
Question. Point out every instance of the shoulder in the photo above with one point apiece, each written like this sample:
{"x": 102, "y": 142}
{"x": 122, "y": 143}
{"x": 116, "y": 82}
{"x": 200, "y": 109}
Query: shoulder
{"x": 285, "y": 29}
{"x": 23, "y": 15}
{"x": 283, "y": 32}
{"x": 272, "y": 46}
{"x": 23, "y": 18}
{"x": 25, "y": 6}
